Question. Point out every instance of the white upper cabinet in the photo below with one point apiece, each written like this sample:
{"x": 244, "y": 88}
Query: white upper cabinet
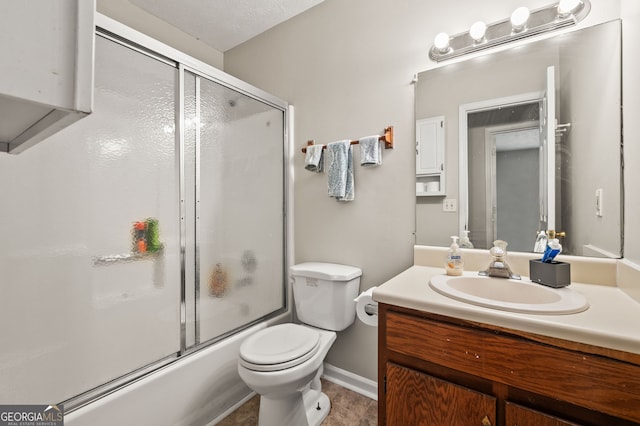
{"x": 430, "y": 157}
{"x": 430, "y": 146}
{"x": 46, "y": 71}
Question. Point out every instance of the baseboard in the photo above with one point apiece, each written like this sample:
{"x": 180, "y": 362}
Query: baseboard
{"x": 344, "y": 378}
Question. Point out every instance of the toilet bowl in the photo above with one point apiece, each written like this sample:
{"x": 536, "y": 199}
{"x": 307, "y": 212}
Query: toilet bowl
{"x": 283, "y": 363}
{"x": 288, "y": 381}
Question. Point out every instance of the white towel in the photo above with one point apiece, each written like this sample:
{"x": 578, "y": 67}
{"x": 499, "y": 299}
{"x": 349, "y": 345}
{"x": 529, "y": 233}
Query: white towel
{"x": 314, "y": 159}
{"x": 340, "y": 171}
{"x": 370, "y": 151}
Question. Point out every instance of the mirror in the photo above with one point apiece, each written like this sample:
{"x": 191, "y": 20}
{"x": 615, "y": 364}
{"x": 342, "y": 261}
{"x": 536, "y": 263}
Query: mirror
{"x": 531, "y": 140}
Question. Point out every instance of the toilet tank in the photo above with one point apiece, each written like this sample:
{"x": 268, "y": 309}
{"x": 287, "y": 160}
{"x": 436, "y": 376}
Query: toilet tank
{"x": 324, "y": 294}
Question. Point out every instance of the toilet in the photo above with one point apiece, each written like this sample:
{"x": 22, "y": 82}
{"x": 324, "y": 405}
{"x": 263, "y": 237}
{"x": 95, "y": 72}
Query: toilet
{"x": 283, "y": 363}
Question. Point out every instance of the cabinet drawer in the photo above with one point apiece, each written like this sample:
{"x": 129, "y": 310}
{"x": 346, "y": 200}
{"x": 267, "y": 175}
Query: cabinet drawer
{"x": 595, "y": 382}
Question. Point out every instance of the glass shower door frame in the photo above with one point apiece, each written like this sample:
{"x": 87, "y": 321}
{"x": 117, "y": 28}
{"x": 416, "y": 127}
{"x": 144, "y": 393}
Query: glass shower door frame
{"x": 188, "y": 253}
{"x": 134, "y": 40}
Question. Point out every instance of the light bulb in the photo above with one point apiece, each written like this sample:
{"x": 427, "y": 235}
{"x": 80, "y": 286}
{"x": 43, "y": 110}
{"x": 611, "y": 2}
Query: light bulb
{"x": 441, "y": 42}
{"x": 519, "y": 18}
{"x": 477, "y": 31}
{"x": 567, "y": 7}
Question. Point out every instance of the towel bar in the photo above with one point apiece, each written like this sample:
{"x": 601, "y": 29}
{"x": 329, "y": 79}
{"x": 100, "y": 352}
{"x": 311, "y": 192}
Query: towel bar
{"x": 387, "y": 138}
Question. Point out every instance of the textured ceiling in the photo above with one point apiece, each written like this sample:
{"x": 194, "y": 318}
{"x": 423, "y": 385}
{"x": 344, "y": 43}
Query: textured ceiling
{"x": 224, "y": 24}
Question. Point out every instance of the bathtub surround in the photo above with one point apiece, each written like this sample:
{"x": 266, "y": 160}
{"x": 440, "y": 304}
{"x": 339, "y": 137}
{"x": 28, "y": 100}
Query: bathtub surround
{"x": 133, "y": 209}
{"x": 201, "y": 387}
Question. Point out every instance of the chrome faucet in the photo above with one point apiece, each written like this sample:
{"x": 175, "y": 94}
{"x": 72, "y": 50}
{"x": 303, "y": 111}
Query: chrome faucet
{"x": 498, "y": 266}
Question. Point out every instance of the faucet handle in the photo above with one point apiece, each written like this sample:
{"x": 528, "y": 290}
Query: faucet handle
{"x": 556, "y": 234}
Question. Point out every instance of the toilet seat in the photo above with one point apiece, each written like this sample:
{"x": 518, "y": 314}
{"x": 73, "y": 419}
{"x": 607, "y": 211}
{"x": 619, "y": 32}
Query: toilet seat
{"x": 279, "y": 347}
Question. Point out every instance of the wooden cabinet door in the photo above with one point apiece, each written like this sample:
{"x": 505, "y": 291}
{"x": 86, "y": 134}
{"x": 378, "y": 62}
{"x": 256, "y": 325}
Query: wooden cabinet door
{"x": 414, "y": 398}
{"x": 517, "y": 415}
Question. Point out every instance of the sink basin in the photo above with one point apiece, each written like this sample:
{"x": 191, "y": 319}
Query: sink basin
{"x": 510, "y": 295}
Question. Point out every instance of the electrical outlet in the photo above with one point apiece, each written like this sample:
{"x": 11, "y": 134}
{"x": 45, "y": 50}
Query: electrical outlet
{"x": 449, "y": 205}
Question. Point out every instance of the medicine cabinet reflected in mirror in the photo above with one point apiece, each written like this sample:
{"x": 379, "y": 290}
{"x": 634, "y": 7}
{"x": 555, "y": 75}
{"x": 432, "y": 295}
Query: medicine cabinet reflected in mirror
{"x": 532, "y": 142}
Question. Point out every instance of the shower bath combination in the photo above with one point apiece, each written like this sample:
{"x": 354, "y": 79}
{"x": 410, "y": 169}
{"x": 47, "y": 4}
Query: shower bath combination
{"x": 127, "y": 273}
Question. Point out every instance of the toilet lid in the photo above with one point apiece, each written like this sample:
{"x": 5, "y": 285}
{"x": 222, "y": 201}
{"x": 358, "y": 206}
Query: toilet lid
{"x": 279, "y": 347}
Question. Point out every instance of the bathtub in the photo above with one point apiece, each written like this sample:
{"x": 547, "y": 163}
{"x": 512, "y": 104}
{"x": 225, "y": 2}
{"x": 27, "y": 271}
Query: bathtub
{"x": 199, "y": 389}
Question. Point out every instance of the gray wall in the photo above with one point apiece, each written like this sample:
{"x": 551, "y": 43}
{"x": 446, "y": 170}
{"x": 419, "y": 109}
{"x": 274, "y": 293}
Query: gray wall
{"x": 347, "y": 66}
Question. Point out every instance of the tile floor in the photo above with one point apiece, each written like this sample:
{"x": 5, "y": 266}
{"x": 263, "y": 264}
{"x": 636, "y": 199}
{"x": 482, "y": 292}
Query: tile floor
{"x": 348, "y": 408}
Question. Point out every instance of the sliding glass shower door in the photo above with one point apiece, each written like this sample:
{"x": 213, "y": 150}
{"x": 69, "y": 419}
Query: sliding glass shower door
{"x": 145, "y": 231}
{"x": 234, "y": 167}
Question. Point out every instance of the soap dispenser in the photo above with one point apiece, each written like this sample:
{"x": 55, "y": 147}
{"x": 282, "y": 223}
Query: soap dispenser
{"x": 465, "y": 242}
{"x": 454, "y": 264}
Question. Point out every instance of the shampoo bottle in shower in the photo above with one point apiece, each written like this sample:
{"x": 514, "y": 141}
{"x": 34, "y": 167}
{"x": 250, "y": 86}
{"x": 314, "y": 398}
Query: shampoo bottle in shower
{"x": 454, "y": 264}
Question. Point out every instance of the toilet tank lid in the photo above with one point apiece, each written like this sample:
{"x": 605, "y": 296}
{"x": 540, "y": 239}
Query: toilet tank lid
{"x": 326, "y": 271}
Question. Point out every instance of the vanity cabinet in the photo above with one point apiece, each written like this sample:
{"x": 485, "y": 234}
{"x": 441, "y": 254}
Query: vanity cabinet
{"x": 438, "y": 370}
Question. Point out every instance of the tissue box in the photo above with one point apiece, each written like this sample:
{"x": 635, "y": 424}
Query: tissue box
{"x": 553, "y": 274}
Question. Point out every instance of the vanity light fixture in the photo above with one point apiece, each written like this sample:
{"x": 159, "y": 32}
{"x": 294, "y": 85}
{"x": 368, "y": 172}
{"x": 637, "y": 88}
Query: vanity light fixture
{"x": 567, "y": 7}
{"x": 519, "y": 18}
{"x": 477, "y": 31}
{"x": 441, "y": 43}
{"x": 522, "y": 23}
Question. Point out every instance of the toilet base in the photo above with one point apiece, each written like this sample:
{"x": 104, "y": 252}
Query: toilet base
{"x": 317, "y": 405}
{"x": 308, "y": 408}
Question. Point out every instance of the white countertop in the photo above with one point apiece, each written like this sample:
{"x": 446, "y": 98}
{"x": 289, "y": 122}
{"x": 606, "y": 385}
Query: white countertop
{"x": 612, "y": 320}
